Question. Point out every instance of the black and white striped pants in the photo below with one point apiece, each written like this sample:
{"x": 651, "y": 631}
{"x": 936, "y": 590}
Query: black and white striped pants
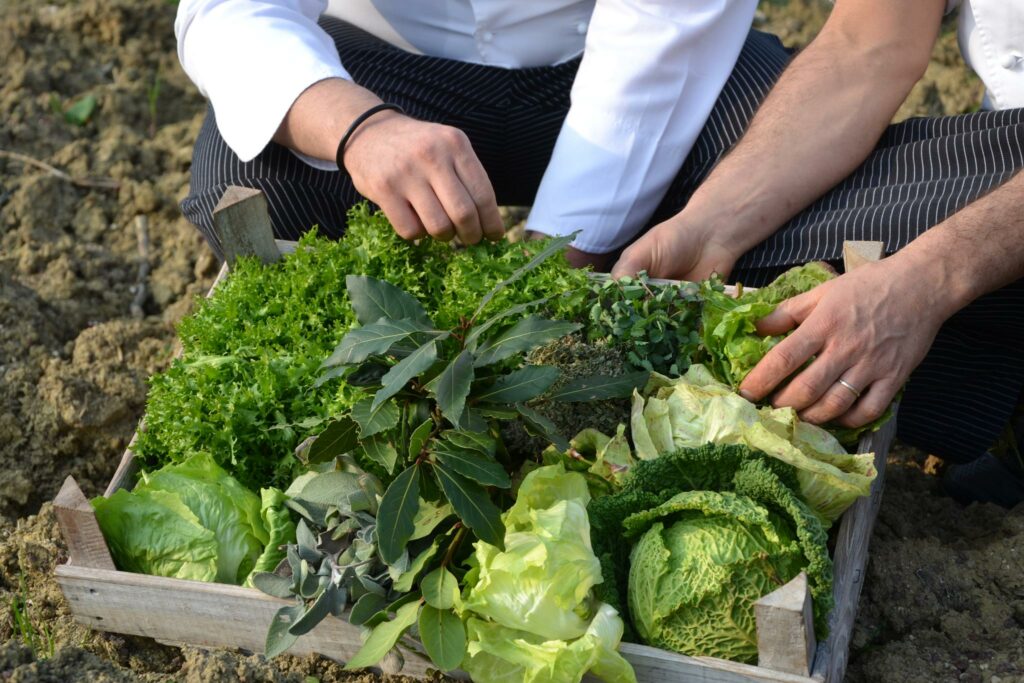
{"x": 922, "y": 171}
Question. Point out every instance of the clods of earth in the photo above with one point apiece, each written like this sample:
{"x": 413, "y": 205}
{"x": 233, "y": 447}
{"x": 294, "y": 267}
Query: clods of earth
{"x": 93, "y": 278}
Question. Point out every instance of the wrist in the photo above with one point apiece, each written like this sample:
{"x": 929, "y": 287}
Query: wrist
{"x": 936, "y": 282}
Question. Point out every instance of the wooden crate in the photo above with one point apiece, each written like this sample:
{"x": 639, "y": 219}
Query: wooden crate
{"x": 211, "y": 615}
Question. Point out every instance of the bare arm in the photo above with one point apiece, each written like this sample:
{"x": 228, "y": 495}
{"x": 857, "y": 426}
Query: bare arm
{"x": 820, "y": 121}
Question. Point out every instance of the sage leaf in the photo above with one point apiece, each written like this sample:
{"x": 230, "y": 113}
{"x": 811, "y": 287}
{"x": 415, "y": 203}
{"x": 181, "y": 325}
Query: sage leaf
{"x": 419, "y": 438}
{"x": 474, "y": 466}
{"x": 538, "y": 425}
{"x": 416, "y": 363}
{"x": 526, "y": 334}
{"x": 316, "y": 613}
{"x": 452, "y": 386}
{"x": 373, "y": 299}
{"x": 374, "y": 419}
{"x": 557, "y": 244}
{"x": 369, "y": 340}
{"x": 443, "y": 636}
{"x": 366, "y": 607}
{"x": 341, "y": 436}
{"x": 379, "y": 449}
{"x": 384, "y": 637}
{"x": 396, "y": 514}
{"x": 599, "y": 387}
{"x": 273, "y": 584}
{"x": 279, "y": 638}
{"x": 522, "y": 385}
{"x": 440, "y": 588}
{"x": 473, "y": 506}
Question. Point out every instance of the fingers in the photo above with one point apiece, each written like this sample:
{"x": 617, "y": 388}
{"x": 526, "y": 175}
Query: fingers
{"x": 813, "y": 382}
{"x": 789, "y": 313}
{"x": 458, "y": 205}
{"x": 473, "y": 177}
{"x": 872, "y": 404}
{"x": 779, "y": 363}
{"x": 641, "y": 255}
{"x": 431, "y": 213}
{"x": 403, "y": 219}
{"x": 837, "y": 399}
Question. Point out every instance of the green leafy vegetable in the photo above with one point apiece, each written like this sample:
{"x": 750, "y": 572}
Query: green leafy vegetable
{"x": 194, "y": 521}
{"x": 729, "y": 327}
{"x": 530, "y": 614}
{"x": 696, "y": 409}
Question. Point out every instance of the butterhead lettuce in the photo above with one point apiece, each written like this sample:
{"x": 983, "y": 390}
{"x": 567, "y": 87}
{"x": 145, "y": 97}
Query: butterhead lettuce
{"x": 530, "y": 612}
{"x": 194, "y": 521}
{"x": 697, "y": 409}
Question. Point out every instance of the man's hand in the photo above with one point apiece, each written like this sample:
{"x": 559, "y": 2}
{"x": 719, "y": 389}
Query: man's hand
{"x": 870, "y": 328}
{"x": 426, "y": 178}
{"x": 677, "y": 250}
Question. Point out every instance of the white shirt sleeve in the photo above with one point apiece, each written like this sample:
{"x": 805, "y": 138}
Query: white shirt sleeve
{"x": 651, "y": 72}
{"x": 252, "y": 59}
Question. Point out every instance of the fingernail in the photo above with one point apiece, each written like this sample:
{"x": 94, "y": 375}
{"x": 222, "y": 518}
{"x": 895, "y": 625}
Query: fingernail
{"x": 747, "y": 395}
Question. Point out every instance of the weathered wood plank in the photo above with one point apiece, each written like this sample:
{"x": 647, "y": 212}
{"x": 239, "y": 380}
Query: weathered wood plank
{"x": 198, "y": 613}
{"x": 80, "y": 528}
{"x": 785, "y": 628}
{"x": 241, "y": 221}
{"x": 653, "y": 665}
{"x": 851, "y": 557}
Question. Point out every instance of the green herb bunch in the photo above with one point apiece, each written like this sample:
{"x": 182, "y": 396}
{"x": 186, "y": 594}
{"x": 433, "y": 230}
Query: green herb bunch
{"x": 656, "y": 324}
{"x": 429, "y": 428}
{"x": 245, "y": 387}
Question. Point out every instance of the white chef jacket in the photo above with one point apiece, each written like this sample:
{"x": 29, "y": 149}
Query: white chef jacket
{"x": 651, "y": 71}
{"x": 992, "y": 41}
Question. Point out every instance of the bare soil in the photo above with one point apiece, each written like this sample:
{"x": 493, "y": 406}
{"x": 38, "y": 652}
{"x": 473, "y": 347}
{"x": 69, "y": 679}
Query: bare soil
{"x": 944, "y": 595}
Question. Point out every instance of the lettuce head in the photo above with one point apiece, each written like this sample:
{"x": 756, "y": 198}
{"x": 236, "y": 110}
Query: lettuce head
{"x": 700, "y": 562}
{"x": 530, "y": 610}
{"x": 194, "y": 521}
{"x": 728, "y": 324}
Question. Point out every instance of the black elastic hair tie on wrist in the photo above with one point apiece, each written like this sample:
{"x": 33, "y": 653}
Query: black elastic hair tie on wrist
{"x": 377, "y": 108}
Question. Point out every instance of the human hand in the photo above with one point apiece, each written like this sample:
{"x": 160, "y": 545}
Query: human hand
{"x": 425, "y": 177}
{"x": 678, "y": 250}
{"x": 870, "y": 327}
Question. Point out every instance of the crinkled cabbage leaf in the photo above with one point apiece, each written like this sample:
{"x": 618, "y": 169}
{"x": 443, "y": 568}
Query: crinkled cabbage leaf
{"x": 700, "y": 562}
{"x": 696, "y": 409}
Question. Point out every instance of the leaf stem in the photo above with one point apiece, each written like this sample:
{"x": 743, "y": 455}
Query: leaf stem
{"x": 456, "y": 542}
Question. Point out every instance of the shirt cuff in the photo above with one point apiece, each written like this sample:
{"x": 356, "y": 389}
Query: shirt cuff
{"x": 253, "y": 59}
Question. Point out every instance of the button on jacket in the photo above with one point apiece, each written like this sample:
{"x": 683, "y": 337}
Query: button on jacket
{"x": 650, "y": 74}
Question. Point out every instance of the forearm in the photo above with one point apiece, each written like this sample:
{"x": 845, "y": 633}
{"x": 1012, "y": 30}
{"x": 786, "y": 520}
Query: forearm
{"x": 975, "y": 251}
{"x": 821, "y": 120}
{"x": 323, "y": 112}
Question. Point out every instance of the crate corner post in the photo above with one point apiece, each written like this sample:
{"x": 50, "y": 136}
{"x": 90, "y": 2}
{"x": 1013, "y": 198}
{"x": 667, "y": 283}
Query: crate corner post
{"x": 80, "y": 528}
{"x": 785, "y": 628}
{"x": 241, "y": 221}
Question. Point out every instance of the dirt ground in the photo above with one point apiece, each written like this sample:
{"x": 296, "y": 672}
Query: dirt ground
{"x": 92, "y": 280}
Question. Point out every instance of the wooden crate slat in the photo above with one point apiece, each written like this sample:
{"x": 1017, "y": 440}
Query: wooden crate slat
{"x": 197, "y": 613}
{"x": 851, "y": 558}
{"x": 653, "y": 665}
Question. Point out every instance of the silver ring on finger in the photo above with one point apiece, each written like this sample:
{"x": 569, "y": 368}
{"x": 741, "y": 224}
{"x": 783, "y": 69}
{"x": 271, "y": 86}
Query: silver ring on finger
{"x": 853, "y": 390}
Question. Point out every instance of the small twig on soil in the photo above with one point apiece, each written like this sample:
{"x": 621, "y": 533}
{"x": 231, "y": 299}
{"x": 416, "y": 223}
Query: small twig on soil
{"x": 104, "y": 183}
{"x": 142, "y": 234}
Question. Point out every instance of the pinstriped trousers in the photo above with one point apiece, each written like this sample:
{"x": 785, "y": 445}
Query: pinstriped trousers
{"x": 922, "y": 171}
